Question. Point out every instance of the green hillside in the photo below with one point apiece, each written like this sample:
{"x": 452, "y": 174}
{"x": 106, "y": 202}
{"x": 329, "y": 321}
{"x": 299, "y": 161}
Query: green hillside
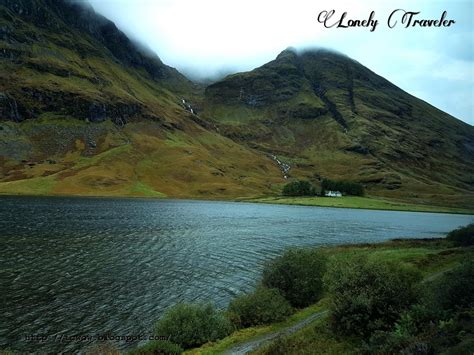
{"x": 84, "y": 111}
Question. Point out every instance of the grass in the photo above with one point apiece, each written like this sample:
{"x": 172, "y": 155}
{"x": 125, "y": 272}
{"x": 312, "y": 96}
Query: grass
{"x": 313, "y": 339}
{"x": 139, "y": 160}
{"x": 372, "y": 203}
{"x": 34, "y": 186}
{"x": 254, "y": 332}
{"x": 430, "y": 256}
{"x": 82, "y": 162}
{"x": 139, "y": 188}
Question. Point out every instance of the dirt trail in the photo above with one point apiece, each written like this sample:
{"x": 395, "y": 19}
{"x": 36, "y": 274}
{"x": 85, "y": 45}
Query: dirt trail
{"x": 246, "y": 347}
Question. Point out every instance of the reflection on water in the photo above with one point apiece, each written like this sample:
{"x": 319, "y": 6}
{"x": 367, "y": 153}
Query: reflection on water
{"x": 83, "y": 266}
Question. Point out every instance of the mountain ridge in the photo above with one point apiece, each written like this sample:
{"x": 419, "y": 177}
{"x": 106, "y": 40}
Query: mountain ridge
{"x": 311, "y": 87}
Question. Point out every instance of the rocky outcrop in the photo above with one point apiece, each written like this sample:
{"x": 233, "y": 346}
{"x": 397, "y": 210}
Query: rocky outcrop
{"x": 358, "y": 149}
{"x": 67, "y": 104}
{"x": 118, "y": 113}
{"x": 9, "y": 108}
{"x": 97, "y": 112}
{"x": 305, "y": 111}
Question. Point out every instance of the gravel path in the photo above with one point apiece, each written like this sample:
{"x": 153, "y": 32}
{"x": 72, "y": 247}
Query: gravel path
{"x": 248, "y": 346}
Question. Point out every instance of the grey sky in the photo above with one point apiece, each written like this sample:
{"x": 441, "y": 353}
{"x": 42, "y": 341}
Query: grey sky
{"x": 204, "y": 38}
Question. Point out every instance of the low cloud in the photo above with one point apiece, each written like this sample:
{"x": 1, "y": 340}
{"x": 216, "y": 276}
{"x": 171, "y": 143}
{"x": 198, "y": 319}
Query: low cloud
{"x": 209, "y": 39}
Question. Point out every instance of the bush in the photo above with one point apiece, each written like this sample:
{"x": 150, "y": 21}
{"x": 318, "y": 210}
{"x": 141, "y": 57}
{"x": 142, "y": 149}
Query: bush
{"x": 417, "y": 319}
{"x": 442, "y": 320}
{"x": 193, "y": 325}
{"x": 298, "y": 188}
{"x": 263, "y": 306}
{"x": 346, "y": 187}
{"x": 164, "y": 347}
{"x": 297, "y": 274}
{"x": 394, "y": 343}
{"x": 463, "y": 236}
{"x": 368, "y": 296}
{"x": 455, "y": 289}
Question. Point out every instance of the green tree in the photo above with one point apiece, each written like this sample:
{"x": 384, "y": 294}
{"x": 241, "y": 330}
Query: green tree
{"x": 298, "y": 188}
{"x": 298, "y": 275}
{"x": 345, "y": 187}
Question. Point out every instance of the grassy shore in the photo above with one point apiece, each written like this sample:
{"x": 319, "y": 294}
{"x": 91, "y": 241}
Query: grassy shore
{"x": 431, "y": 256}
{"x": 371, "y": 203}
{"x": 243, "y": 335}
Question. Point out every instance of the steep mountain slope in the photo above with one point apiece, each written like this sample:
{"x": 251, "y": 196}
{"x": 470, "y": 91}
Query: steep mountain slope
{"x": 83, "y": 110}
{"x": 328, "y": 116}
{"x": 61, "y": 56}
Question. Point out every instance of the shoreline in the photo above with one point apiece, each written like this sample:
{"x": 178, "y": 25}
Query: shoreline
{"x": 388, "y": 204}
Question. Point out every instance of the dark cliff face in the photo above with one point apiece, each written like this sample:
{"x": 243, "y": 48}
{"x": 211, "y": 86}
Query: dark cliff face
{"x": 63, "y": 15}
{"x": 60, "y": 56}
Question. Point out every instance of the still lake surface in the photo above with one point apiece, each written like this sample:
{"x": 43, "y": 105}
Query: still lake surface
{"x": 90, "y": 266}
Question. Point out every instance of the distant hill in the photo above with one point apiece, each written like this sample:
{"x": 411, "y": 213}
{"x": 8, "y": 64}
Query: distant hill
{"x": 85, "y": 111}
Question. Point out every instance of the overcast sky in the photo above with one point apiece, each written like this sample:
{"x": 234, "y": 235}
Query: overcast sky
{"x": 208, "y": 37}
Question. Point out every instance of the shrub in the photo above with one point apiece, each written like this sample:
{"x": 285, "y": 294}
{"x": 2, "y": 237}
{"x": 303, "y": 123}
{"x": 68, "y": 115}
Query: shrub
{"x": 394, "y": 343}
{"x": 455, "y": 289}
{"x": 263, "y": 306}
{"x": 417, "y": 319}
{"x": 382, "y": 342}
{"x": 297, "y": 274}
{"x": 442, "y": 320}
{"x": 298, "y": 188}
{"x": 192, "y": 325}
{"x": 368, "y": 296}
{"x": 164, "y": 347}
{"x": 463, "y": 236}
